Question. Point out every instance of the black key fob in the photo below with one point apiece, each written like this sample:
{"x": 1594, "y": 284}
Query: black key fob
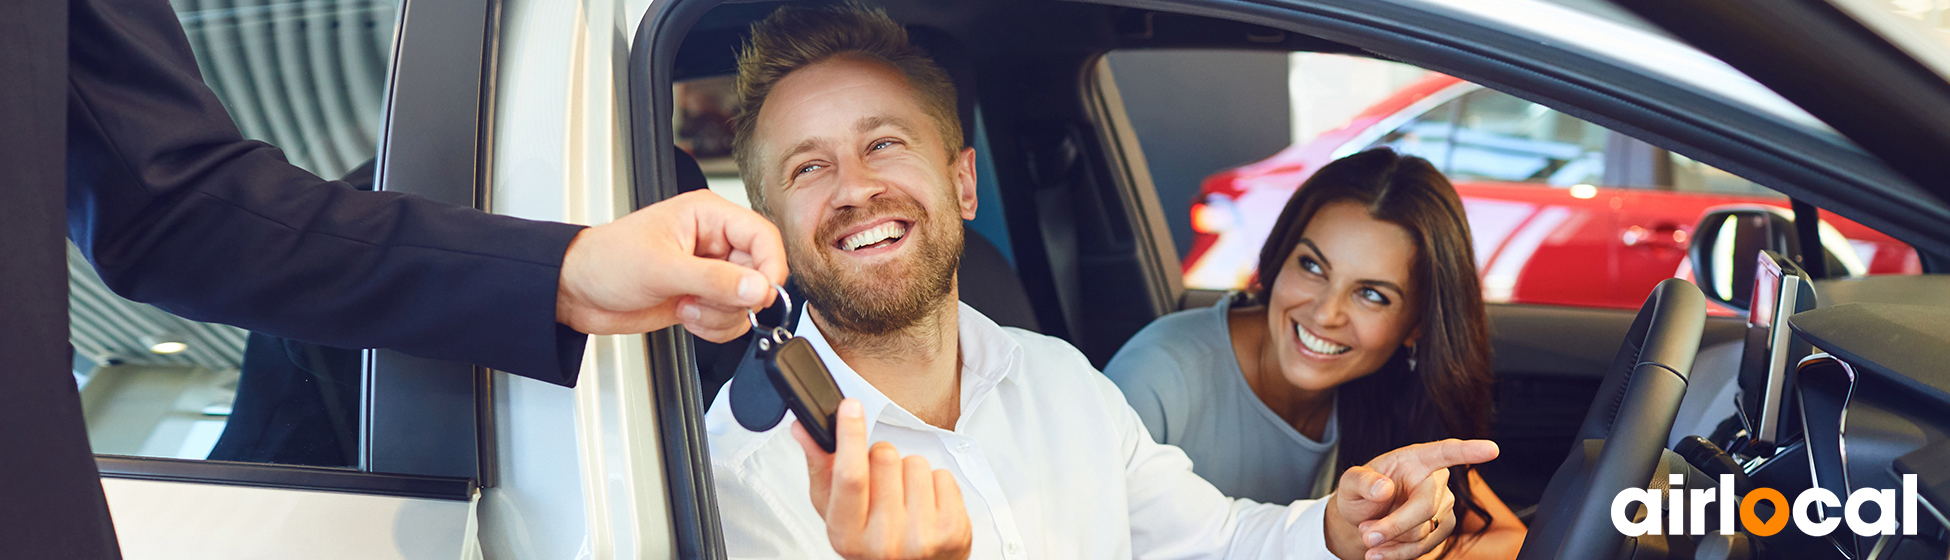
{"x": 803, "y": 382}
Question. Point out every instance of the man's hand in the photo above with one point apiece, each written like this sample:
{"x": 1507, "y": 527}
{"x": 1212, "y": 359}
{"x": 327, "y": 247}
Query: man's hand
{"x": 878, "y": 505}
{"x": 696, "y": 258}
{"x": 1399, "y": 506}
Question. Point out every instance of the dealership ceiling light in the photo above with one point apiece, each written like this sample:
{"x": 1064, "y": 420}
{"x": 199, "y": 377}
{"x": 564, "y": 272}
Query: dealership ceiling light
{"x": 165, "y": 344}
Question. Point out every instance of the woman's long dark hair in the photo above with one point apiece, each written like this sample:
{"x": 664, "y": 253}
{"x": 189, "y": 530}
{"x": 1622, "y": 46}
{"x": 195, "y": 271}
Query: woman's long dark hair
{"x": 1448, "y": 392}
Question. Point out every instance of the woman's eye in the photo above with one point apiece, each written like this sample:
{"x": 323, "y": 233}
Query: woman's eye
{"x": 1373, "y": 295}
{"x": 1308, "y": 264}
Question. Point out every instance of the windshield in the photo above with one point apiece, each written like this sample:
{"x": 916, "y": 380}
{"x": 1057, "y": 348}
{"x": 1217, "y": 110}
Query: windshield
{"x": 1921, "y": 28}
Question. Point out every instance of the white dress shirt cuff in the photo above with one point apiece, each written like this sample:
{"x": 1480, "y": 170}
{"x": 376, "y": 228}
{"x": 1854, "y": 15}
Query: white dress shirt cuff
{"x": 1306, "y": 531}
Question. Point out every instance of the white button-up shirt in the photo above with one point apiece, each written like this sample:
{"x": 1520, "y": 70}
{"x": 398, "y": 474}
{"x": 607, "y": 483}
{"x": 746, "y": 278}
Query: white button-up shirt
{"x": 1051, "y": 461}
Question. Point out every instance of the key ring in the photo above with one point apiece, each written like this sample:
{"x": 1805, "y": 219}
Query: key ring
{"x": 776, "y": 335}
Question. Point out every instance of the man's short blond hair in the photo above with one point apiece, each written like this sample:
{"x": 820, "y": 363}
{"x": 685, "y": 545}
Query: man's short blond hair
{"x": 795, "y": 37}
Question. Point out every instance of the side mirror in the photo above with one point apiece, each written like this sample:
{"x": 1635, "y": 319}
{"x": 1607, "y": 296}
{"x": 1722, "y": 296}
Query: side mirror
{"x": 1727, "y": 245}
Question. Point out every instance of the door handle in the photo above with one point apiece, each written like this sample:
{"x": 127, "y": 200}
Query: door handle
{"x": 1664, "y": 236}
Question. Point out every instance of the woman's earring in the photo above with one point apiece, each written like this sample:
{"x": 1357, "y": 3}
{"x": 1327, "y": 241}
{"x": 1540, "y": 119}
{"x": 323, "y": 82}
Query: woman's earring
{"x": 1411, "y": 358}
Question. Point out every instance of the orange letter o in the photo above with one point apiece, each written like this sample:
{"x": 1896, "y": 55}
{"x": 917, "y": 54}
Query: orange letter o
{"x": 1752, "y": 522}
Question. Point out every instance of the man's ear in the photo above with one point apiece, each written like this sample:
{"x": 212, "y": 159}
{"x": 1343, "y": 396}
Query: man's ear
{"x": 965, "y": 182}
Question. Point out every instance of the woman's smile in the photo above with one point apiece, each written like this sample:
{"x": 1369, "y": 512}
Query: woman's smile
{"x": 1317, "y": 346}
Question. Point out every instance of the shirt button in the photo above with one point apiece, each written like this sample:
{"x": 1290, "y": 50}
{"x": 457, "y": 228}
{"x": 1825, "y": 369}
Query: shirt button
{"x": 964, "y": 447}
{"x": 1015, "y": 549}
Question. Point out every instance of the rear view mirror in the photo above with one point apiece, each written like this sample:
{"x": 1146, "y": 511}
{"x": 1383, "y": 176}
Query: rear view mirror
{"x": 1728, "y": 242}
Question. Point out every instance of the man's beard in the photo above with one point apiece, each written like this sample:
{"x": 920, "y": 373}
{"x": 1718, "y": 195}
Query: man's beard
{"x": 885, "y": 298}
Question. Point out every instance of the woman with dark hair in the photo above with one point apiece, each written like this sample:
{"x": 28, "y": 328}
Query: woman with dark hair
{"x": 1363, "y": 332}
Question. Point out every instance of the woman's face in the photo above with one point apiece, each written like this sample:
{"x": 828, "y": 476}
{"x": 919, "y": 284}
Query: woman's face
{"x": 1344, "y": 302}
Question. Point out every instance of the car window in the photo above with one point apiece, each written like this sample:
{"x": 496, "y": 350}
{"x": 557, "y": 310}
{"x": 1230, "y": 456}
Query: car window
{"x": 1562, "y": 211}
{"x": 307, "y": 76}
{"x": 1503, "y": 138}
{"x": 1428, "y": 135}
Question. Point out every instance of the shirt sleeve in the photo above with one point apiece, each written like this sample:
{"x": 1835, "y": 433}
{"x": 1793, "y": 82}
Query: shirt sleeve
{"x": 759, "y": 521}
{"x": 1153, "y": 384}
{"x": 173, "y": 207}
{"x": 1175, "y": 514}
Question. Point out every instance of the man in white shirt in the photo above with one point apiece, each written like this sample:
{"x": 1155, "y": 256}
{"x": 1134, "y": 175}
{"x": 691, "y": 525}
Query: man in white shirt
{"x": 848, "y": 139}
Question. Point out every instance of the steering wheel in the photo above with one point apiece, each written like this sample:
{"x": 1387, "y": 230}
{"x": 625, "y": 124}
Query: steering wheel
{"x": 1627, "y": 427}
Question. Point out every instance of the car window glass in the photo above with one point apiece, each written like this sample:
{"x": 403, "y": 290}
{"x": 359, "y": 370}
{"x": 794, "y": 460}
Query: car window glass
{"x": 1692, "y": 176}
{"x": 1499, "y": 137}
{"x": 1427, "y": 136}
{"x": 1562, "y": 211}
{"x": 307, "y": 76}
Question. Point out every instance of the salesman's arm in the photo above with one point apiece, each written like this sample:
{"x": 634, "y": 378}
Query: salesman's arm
{"x": 175, "y": 208}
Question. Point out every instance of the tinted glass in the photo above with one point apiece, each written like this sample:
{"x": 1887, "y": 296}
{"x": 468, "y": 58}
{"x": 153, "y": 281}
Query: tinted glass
{"x": 309, "y": 77}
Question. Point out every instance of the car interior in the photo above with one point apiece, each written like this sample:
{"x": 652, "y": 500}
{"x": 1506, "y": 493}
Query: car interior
{"x": 1080, "y": 252}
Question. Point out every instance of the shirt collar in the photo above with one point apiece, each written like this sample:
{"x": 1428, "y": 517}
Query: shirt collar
{"x": 989, "y": 357}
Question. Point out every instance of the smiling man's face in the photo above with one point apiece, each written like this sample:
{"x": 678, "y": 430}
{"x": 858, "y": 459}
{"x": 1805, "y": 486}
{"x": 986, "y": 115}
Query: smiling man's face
{"x": 867, "y": 192}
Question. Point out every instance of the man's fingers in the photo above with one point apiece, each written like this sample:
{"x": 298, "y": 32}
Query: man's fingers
{"x": 1422, "y": 505}
{"x": 947, "y": 495}
{"x": 819, "y": 467}
{"x": 850, "y": 469}
{"x": 713, "y": 322}
{"x": 885, "y": 479}
{"x": 714, "y": 281}
{"x": 917, "y": 485}
{"x": 887, "y": 521}
{"x": 1364, "y": 495}
{"x": 1396, "y": 551}
{"x": 747, "y": 232}
{"x": 1416, "y": 461}
{"x": 1431, "y": 537}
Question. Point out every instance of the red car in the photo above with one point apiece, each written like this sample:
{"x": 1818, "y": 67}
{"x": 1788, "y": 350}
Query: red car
{"x": 1563, "y": 211}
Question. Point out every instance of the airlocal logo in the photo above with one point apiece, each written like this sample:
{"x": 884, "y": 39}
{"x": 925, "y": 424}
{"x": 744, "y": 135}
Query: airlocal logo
{"x": 1819, "y": 524}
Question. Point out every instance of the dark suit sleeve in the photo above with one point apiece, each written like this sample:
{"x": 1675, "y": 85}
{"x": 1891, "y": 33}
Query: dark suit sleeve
{"x": 176, "y": 209}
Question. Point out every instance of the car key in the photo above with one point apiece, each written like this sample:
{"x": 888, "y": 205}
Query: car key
{"x": 799, "y": 376}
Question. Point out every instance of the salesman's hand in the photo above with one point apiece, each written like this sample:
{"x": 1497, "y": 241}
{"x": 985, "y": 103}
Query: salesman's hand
{"x": 1399, "y": 506}
{"x": 695, "y": 259}
{"x": 878, "y": 505}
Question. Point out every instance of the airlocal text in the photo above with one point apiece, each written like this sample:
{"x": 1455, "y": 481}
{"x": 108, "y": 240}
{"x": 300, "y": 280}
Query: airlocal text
{"x": 1810, "y": 520}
